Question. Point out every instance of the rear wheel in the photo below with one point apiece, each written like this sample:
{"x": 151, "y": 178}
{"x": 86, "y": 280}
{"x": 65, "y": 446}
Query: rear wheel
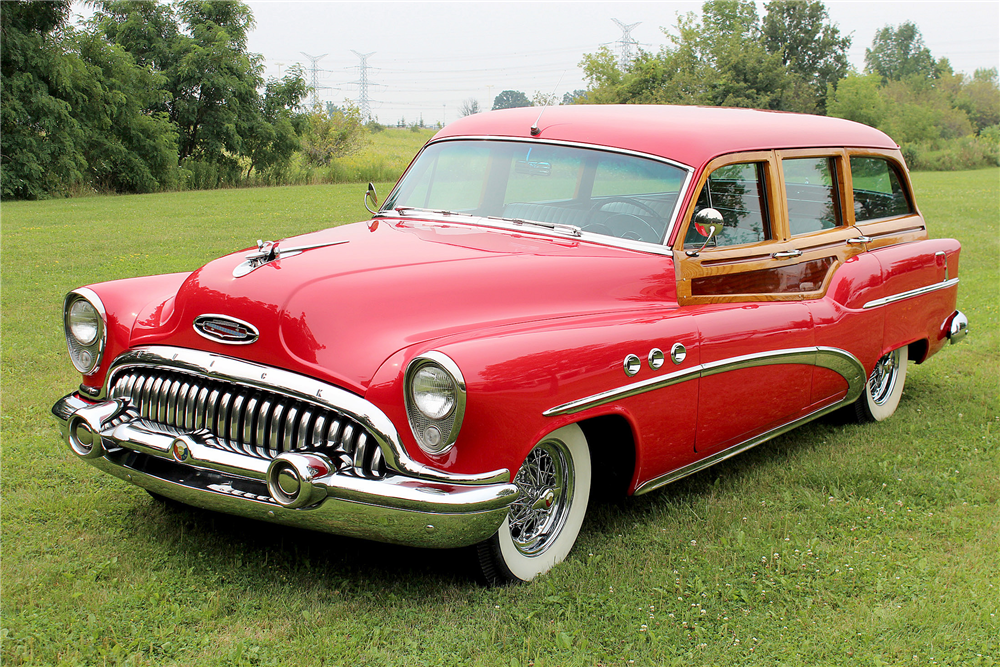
{"x": 544, "y": 521}
{"x": 884, "y": 387}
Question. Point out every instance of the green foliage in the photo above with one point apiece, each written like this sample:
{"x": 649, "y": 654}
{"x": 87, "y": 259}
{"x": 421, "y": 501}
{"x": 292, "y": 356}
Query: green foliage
{"x": 510, "y": 99}
{"x": 731, "y": 58}
{"x": 898, "y": 53}
{"x": 41, "y": 143}
{"x": 857, "y": 98}
{"x": 811, "y": 48}
{"x": 332, "y": 134}
{"x": 149, "y": 96}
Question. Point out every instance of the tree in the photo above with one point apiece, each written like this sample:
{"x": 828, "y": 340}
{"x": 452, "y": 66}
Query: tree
{"x": 469, "y": 107}
{"x": 857, "y": 98}
{"x": 275, "y": 135}
{"x": 510, "y": 99}
{"x": 333, "y": 134}
{"x": 41, "y": 143}
{"x": 899, "y": 53}
{"x": 980, "y": 99}
{"x": 540, "y": 99}
{"x": 575, "y": 97}
{"x": 811, "y": 49}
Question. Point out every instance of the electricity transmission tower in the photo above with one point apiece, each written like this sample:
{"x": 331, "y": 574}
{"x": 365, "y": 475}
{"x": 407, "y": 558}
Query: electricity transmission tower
{"x": 363, "y": 83}
{"x": 314, "y": 77}
{"x": 626, "y": 43}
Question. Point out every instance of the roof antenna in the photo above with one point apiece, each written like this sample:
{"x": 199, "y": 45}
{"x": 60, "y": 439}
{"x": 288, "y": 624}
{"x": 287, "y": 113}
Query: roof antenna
{"x": 535, "y": 130}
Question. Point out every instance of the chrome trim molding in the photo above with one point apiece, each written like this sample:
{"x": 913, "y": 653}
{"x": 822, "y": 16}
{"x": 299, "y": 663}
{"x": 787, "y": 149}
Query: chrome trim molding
{"x": 655, "y": 359}
{"x": 678, "y": 353}
{"x": 631, "y": 365}
{"x": 920, "y": 291}
{"x": 301, "y": 387}
{"x": 840, "y": 361}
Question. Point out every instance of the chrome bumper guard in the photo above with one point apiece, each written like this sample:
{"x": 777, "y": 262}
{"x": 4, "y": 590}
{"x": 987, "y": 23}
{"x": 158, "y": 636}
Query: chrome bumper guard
{"x": 302, "y": 489}
{"x": 957, "y": 327}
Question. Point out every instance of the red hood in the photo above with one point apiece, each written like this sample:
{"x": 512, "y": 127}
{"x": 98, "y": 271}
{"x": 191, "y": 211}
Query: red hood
{"x": 338, "y": 312}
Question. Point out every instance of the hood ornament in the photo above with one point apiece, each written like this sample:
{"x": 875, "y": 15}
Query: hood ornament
{"x": 269, "y": 251}
{"x": 225, "y": 329}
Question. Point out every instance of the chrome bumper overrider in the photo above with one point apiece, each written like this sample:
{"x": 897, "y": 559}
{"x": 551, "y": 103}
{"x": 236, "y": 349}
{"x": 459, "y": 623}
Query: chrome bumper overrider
{"x": 957, "y": 327}
{"x": 302, "y": 489}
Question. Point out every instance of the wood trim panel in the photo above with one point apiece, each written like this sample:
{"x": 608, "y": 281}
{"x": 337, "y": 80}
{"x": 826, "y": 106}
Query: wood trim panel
{"x": 790, "y": 279}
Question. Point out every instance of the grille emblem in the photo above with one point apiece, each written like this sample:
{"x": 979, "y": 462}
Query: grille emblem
{"x": 224, "y": 329}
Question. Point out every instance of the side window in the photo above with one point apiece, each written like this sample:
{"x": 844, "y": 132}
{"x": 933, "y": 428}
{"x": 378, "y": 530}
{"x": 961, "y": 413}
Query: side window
{"x": 737, "y": 192}
{"x": 878, "y": 189}
{"x": 811, "y": 191}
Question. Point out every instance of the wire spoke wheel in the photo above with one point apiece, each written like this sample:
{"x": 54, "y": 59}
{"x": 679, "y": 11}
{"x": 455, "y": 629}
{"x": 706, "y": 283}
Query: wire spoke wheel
{"x": 883, "y": 377}
{"x": 545, "y": 480}
{"x": 543, "y": 522}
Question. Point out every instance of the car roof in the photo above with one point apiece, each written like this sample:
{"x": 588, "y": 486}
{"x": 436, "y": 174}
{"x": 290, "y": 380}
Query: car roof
{"x": 691, "y": 135}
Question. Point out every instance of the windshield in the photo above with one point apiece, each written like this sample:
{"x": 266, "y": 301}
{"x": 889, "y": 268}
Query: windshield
{"x": 622, "y": 196}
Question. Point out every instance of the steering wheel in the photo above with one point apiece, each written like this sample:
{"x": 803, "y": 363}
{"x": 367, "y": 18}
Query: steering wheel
{"x": 626, "y": 218}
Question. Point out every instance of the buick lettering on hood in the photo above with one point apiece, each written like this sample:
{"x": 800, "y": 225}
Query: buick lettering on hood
{"x": 545, "y": 306}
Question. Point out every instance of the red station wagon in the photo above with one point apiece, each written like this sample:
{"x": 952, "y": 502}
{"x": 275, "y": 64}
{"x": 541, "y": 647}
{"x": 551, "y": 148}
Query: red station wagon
{"x": 545, "y": 305}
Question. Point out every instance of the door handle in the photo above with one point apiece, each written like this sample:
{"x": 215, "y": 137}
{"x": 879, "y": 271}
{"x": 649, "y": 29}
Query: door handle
{"x": 860, "y": 240}
{"x": 785, "y": 254}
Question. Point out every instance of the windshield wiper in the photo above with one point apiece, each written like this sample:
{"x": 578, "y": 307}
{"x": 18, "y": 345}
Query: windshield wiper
{"x": 403, "y": 210}
{"x": 572, "y": 230}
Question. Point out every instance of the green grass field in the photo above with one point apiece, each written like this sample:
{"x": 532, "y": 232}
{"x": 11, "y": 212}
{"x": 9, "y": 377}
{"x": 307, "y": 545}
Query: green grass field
{"x": 836, "y": 544}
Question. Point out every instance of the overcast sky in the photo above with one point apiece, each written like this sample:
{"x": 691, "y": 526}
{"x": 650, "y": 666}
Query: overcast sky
{"x": 427, "y": 57}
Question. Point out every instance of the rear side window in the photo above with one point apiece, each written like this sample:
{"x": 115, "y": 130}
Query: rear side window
{"x": 878, "y": 189}
{"x": 737, "y": 192}
{"x": 811, "y": 191}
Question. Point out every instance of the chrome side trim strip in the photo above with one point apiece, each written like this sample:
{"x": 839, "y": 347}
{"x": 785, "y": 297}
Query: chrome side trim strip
{"x": 304, "y": 388}
{"x": 837, "y": 360}
{"x": 944, "y": 284}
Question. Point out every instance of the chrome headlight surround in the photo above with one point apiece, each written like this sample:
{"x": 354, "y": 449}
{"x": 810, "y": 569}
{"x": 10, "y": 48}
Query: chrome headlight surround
{"x": 85, "y": 347}
{"x": 435, "y": 429}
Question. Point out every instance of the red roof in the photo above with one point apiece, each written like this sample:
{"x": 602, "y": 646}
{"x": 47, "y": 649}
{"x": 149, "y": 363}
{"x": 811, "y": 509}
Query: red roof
{"x": 688, "y": 134}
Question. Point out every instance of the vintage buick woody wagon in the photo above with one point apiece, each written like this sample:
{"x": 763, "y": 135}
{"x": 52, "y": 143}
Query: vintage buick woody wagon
{"x": 545, "y": 304}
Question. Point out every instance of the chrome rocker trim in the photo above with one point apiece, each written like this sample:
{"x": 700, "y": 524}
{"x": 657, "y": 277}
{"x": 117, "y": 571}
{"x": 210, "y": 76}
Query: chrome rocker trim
{"x": 411, "y": 504}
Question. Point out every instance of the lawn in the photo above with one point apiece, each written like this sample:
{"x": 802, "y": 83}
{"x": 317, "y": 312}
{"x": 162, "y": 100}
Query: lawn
{"x": 836, "y": 544}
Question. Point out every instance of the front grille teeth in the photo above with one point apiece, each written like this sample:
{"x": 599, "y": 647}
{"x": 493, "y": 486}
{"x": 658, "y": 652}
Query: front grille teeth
{"x": 248, "y": 421}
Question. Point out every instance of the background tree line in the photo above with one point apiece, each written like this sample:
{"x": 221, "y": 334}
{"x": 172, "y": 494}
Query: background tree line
{"x": 794, "y": 59}
{"x": 149, "y": 96}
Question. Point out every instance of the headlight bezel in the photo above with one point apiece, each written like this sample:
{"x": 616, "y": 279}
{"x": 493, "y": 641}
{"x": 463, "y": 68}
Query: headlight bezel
{"x": 85, "y": 357}
{"x": 435, "y": 435}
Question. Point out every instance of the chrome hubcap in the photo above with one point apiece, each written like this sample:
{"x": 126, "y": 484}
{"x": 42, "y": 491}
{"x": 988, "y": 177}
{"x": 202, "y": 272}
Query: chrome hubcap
{"x": 883, "y": 377}
{"x": 545, "y": 481}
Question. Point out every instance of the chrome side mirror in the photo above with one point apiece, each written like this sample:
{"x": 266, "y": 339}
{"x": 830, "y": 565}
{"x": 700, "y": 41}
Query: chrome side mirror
{"x": 371, "y": 194}
{"x": 708, "y": 223}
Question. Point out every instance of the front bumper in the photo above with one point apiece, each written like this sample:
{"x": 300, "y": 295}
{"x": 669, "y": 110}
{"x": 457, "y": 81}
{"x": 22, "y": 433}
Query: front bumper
{"x": 296, "y": 489}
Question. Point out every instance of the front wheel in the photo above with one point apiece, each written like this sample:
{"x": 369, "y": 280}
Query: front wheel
{"x": 884, "y": 387}
{"x": 544, "y": 521}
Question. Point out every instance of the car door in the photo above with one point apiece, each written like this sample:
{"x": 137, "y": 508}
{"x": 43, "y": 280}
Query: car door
{"x": 748, "y": 286}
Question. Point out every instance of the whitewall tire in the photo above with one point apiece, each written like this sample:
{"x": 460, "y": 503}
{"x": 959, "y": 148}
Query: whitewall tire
{"x": 884, "y": 387}
{"x": 543, "y": 523}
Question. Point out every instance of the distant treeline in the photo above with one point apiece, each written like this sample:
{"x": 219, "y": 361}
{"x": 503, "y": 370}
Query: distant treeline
{"x": 794, "y": 59}
{"x": 149, "y": 96}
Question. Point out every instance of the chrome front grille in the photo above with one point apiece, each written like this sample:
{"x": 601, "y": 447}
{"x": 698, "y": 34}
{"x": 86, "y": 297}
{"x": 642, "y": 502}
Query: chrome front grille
{"x": 247, "y": 420}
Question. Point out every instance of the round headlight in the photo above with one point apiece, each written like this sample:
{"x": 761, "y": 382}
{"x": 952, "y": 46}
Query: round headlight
{"x": 433, "y": 392}
{"x": 83, "y": 322}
